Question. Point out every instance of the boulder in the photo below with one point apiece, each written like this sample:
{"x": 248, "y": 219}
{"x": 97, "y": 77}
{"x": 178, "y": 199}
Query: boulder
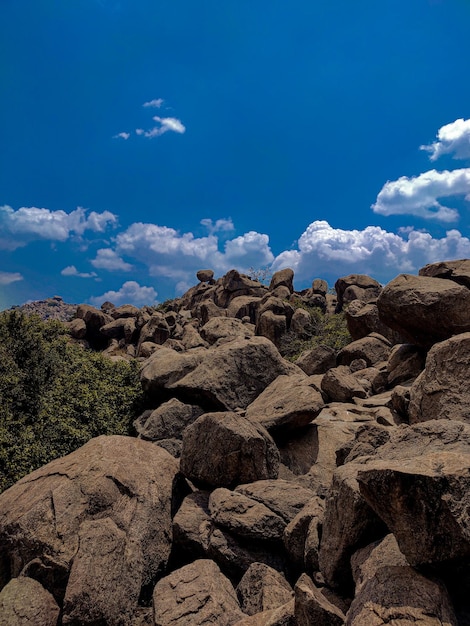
{"x": 442, "y": 391}
{"x": 244, "y": 516}
{"x": 283, "y": 616}
{"x": 156, "y": 330}
{"x": 166, "y": 366}
{"x": 302, "y": 536}
{"x": 262, "y": 588}
{"x": 405, "y": 362}
{"x": 312, "y": 608}
{"x": 54, "y": 515}
{"x": 94, "y": 320}
{"x": 196, "y": 594}
{"x": 272, "y": 326}
{"x": 388, "y": 590}
{"x": 204, "y": 276}
{"x": 77, "y": 328}
{"x": 373, "y": 349}
{"x": 458, "y": 271}
{"x": 419, "y": 484}
{"x": 244, "y": 306}
{"x": 25, "y": 602}
{"x": 283, "y": 497}
{"x": 222, "y": 329}
{"x": 319, "y": 286}
{"x": 191, "y": 526}
{"x": 226, "y": 449}
{"x": 361, "y": 287}
{"x": 341, "y": 386}
{"x": 363, "y": 319}
{"x": 425, "y": 310}
{"x": 318, "y": 360}
{"x": 231, "y": 375}
{"x": 120, "y": 328}
{"x": 283, "y": 278}
{"x": 168, "y": 421}
{"x": 301, "y": 323}
{"x": 125, "y": 310}
{"x": 289, "y": 402}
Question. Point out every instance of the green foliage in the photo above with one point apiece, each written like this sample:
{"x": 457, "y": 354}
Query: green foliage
{"x": 324, "y": 329}
{"x": 55, "y": 396}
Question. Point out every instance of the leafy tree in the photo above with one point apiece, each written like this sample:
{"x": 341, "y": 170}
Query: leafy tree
{"x": 55, "y": 396}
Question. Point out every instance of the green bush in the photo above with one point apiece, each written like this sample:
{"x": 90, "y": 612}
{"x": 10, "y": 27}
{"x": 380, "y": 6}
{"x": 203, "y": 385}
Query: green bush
{"x": 55, "y": 396}
{"x": 324, "y": 329}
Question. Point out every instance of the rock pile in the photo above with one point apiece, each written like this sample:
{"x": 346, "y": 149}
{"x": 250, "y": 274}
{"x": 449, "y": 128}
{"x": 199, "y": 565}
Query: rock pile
{"x": 334, "y": 490}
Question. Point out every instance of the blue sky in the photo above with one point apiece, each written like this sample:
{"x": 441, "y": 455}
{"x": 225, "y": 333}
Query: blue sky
{"x": 143, "y": 140}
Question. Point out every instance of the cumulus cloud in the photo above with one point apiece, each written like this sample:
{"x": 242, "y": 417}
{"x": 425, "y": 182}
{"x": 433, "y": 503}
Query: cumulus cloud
{"x": 107, "y": 259}
{"x": 6, "y": 278}
{"x": 156, "y": 103}
{"x": 222, "y": 225}
{"x": 31, "y": 223}
{"x": 453, "y": 138}
{"x": 122, "y": 135}
{"x": 164, "y": 125}
{"x": 71, "y": 270}
{"x": 419, "y": 195}
{"x": 329, "y": 252}
{"x": 130, "y": 293}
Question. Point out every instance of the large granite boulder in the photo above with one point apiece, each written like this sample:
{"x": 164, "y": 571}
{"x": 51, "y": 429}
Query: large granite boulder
{"x": 102, "y": 513}
{"x": 425, "y": 310}
{"x": 25, "y": 602}
{"x": 442, "y": 390}
{"x": 197, "y": 594}
{"x": 262, "y": 588}
{"x": 225, "y": 449}
{"x": 356, "y": 287}
{"x": 167, "y": 421}
{"x": 458, "y": 271}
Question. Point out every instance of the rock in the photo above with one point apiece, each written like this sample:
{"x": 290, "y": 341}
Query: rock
{"x": 244, "y": 516}
{"x": 272, "y": 326}
{"x": 405, "y": 362}
{"x": 168, "y": 421}
{"x": 318, "y": 360}
{"x": 206, "y": 311}
{"x": 442, "y": 391}
{"x": 341, "y": 386}
{"x": 312, "y": 608}
{"x": 191, "y": 338}
{"x": 77, "y": 328}
{"x": 320, "y": 286}
{"x": 400, "y": 401}
{"x": 282, "y": 277}
{"x": 388, "y": 590}
{"x": 166, "y": 366}
{"x": 197, "y": 594}
{"x": 121, "y": 328}
{"x": 302, "y": 536}
{"x": 373, "y": 349}
{"x": 458, "y": 271}
{"x": 281, "y": 496}
{"x": 222, "y": 329}
{"x": 125, "y": 310}
{"x": 262, "y": 588}
{"x": 94, "y": 320}
{"x": 192, "y": 524}
{"x": 232, "y": 375}
{"x": 124, "y": 480}
{"x": 244, "y": 306}
{"x": 367, "y": 439}
{"x": 204, "y": 276}
{"x": 283, "y": 616}
{"x": 25, "y": 602}
{"x": 301, "y": 323}
{"x": 349, "y": 524}
{"x": 367, "y": 288}
{"x": 363, "y": 319}
{"x": 234, "y": 284}
{"x": 147, "y": 348}
{"x": 419, "y": 484}
{"x": 156, "y": 330}
{"x": 226, "y": 449}
{"x": 425, "y": 310}
{"x": 288, "y": 402}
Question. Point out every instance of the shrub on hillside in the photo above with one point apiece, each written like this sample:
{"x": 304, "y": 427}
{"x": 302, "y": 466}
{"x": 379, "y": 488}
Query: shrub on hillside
{"x": 55, "y": 396}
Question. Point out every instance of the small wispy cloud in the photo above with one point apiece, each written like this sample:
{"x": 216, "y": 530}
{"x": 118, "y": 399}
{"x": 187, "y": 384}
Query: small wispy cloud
{"x": 6, "y": 278}
{"x": 453, "y": 138}
{"x": 122, "y": 135}
{"x": 221, "y": 225}
{"x": 71, "y": 270}
{"x": 107, "y": 259}
{"x": 165, "y": 124}
{"x": 156, "y": 104}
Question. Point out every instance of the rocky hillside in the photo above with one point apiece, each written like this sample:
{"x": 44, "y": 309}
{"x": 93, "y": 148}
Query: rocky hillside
{"x": 50, "y": 309}
{"x": 331, "y": 488}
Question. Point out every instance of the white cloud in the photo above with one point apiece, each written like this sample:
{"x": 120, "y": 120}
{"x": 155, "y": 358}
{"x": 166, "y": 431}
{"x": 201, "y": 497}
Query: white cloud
{"x": 419, "y": 195}
{"x": 31, "y": 223}
{"x": 327, "y": 252}
{"x": 453, "y": 139}
{"x": 165, "y": 124}
{"x": 122, "y": 135}
{"x": 222, "y": 225}
{"x": 71, "y": 270}
{"x": 157, "y": 103}
{"x": 249, "y": 250}
{"x": 107, "y": 259}
{"x": 130, "y": 293}
{"x": 6, "y": 278}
